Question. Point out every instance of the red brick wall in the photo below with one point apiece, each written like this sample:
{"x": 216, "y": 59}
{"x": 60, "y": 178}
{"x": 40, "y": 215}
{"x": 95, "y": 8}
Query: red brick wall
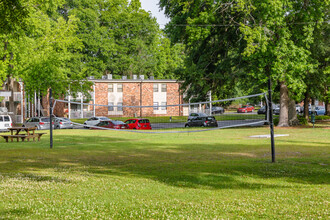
{"x": 147, "y": 99}
{"x": 131, "y": 97}
{"x": 173, "y": 98}
{"x": 101, "y": 98}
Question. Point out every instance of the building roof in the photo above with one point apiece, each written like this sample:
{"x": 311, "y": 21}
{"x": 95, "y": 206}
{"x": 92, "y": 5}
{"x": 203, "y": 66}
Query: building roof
{"x": 134, "y": 80}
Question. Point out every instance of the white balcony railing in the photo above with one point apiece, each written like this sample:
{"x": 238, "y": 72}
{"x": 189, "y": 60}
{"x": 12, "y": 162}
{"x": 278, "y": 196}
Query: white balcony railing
{"x": 79, "y": 96}
{"x": 17, "y": 97}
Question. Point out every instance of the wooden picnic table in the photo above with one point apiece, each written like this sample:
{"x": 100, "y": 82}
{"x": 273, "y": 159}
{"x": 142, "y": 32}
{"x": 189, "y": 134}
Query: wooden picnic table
{"x": 15, "y": 133}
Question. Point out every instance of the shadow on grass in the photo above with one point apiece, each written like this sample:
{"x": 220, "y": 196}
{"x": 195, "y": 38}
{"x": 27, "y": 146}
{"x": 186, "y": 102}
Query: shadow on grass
{"x": 181, "y": 165}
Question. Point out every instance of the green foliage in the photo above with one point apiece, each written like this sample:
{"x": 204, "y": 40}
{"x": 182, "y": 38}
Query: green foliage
{"x": 122, "y": 39}
{"x": 302, "y": 120}
{"x": 212, "y": 45}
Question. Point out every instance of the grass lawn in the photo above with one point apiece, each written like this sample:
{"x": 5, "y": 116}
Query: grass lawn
{"x": 220, "y": 174}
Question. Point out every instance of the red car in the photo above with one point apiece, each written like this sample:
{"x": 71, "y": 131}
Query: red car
{"x": 138, "y": 123}
{"x": 245, "y": 109}
{"x": 111, "y": 124}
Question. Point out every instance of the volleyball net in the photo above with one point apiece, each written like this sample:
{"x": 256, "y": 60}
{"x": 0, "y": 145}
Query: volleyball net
{"x": 167, "y": 116}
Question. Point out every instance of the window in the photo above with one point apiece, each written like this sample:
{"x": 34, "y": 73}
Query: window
{"x": 155, "y": 87}
{"x": 163, "y": 107}
{"x": 119, "y": 87}
{"x": 110, "y": 106}
{"x": 110, "y": 87}
{"x": 164, "y": 88}
{"x": 119, "y": 108}
{"x": 155, "y": 105}
{"x": 1, "y": 118}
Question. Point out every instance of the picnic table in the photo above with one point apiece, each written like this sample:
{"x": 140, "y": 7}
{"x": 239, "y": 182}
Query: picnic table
{"x": 15, "y": 133}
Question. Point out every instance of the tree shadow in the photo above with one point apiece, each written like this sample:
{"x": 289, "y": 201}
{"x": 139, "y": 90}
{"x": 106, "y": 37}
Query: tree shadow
{"x": 181, "y": 165}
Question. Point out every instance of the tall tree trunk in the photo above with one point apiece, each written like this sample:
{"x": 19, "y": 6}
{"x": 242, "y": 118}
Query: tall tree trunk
{"x": 11, "y": 98}
{"x": 284, "y": 105}
{"x": 306, "y": 103}
{"x": 293, "y": 119}
{"x": 327, "y": 107}
{"x": 327, "y": 103}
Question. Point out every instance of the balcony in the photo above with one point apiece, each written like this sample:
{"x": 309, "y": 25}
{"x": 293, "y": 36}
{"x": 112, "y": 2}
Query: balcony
{"x": 79, "y": 97}
{"x": 17, "y": 97}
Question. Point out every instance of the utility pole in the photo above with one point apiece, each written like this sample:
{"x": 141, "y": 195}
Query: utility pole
{"x": 51, "y": 118}
{"x": 271, "y": 122}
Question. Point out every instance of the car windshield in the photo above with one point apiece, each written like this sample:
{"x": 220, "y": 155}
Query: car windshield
{"x": 244, "y": 106}
{"x": 45, "y": 119}
{"x": 144, "y": 121}
{"x": 118, "y": 122}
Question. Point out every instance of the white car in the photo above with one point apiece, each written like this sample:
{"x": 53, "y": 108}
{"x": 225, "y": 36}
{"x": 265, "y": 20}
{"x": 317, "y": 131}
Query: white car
{"x": 5, "y": 122}
{"x": 94, "y": 121}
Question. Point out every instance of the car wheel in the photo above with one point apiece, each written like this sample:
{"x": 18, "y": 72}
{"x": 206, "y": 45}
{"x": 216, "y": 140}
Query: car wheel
{"x": 38, "y": 127}
{"x": 187, "y": 126}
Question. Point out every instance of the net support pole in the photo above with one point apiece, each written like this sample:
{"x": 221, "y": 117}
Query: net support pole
{"x": 271, "y": 122}
{"x": 51, "y": 118}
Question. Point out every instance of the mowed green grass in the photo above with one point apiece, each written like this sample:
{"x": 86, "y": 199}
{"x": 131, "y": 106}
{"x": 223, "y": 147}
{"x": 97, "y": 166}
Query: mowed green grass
{"x": 220, "y": 174}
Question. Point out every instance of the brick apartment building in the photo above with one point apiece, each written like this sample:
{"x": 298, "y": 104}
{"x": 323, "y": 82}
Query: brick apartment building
{"x": 115, "y": 93}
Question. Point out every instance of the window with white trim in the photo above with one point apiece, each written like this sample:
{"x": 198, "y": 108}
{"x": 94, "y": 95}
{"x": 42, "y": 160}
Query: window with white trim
{"x": 110, "y": 106}
{"x": 163, "y": 107}
{"x": 155, "y": 87}
{"x": 120, "y": 87}
{"x": 155, "y": 105}
{"x": 164, "y": 87}
{"x": 119, "y": 108}
{"x": 110, "y": 87}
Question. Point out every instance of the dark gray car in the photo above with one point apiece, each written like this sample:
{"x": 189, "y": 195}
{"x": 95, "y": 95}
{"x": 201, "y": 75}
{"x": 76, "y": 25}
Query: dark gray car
{"x": 40, "y": 123}
{"x": 208, "y": 121}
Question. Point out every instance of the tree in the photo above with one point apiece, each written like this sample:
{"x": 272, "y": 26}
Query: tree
{"x": 276, "y": 34}
{"x": 209, "y": 31}
{"x": 38, "y": 52}
{"x": 121, "y": 38}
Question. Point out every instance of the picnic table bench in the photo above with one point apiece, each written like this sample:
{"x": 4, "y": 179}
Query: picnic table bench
{"x": 30, "y": 134}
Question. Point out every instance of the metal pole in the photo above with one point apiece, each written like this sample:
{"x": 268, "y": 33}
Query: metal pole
{"x": 39, "y": 105}
{"x": 81, "y": 107}
{"x": 271, "y": 122}
{"x": 69, "y": 104}
{"x": 210, "y": 95}
{"x": 94, "y": 100}
{"x": 51, "y": 118}
{"x": 22, "y": 103}
{"x": 141, "y": 98}
{"x": 35, "y": 103}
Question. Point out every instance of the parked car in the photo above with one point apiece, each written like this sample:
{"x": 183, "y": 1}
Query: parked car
{"x": 138, "y": 123}
{"x": 194, "y": 115}
{"x": 217, "y": 110}
{"x": 245, "y": 108}
{"x": 262, "y": 110}
{"x": 5, "y": 122}
{"x": 319, "y": 110}
{"x": 94, "y": 121}
{"x": 208, "y": 121}
{"x": 63, "y": 123}
{"x": 40, "y": 123}
{"x": 299, "y": 109}
{"x": 111, "y": 124}
{"x": 276, "y": 110}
